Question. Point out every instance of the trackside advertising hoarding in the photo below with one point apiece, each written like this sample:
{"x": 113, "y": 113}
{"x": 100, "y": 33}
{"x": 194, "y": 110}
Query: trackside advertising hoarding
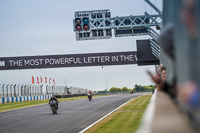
{"x": 68, "y": 60}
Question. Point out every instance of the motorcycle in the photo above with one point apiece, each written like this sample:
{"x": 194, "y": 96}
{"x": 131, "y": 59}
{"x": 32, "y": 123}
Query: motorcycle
{"x": 89, "y": 97}
{"x": 54, "y": 106}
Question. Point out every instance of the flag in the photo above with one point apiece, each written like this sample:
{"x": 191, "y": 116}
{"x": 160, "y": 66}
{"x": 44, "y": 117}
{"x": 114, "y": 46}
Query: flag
{"x": 45, "y": 80}
{"x": 49, "y": 80}
{"x": 38, "y": 80}
{"x": 54, "y": 81}
{"x": 41, "y": 79}
{"x": 33, "y": 80}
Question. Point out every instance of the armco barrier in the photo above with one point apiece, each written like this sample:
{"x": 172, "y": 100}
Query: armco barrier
{"x": 33, "y": 98}
{"x": 24, "y": 98}
{"x": 14, "y": 90}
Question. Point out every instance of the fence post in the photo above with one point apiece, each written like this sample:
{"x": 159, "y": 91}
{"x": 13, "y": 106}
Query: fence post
{"x": 3, "y": 89}
{"x": 46, "y": 90}
{"x": 25, "y": 86}
{"x": 35, "y": 87}
{"x": 22, "y": 93}
{"x": 11, "y": 90}
{"x": 15, "y": 91}
{"x": 30, "y": 89}
{"x": 7, "y": 90}
{"x": 38, "y": 90}
{"x": 41, "y": 89}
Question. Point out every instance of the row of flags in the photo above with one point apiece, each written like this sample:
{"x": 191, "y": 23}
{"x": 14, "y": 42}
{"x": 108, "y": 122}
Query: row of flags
{"x": 40, "y": 81}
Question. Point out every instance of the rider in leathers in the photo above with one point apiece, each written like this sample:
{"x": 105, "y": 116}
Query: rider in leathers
{"x": 54, "y": 98}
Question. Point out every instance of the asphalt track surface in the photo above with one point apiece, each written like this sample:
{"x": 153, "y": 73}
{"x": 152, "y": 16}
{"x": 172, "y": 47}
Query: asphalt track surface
{"x": 73, "y": 116}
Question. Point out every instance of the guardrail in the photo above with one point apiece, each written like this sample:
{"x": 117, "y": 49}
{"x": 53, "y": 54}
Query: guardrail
{"x": 14, "y": 90}
{"x": 24, "y": 98}
{"x": 19, "y": 93}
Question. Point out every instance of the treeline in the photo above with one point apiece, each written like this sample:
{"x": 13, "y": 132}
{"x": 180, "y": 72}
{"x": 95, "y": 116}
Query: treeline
{"x": 138, "y": 88}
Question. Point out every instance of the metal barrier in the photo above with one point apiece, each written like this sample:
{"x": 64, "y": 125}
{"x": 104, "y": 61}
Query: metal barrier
{"x": 15, "y": 90}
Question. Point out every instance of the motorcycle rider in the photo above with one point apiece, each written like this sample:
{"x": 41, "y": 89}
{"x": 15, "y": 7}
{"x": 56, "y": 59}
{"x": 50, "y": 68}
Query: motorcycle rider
{"x": 54, "y": 98}
{"x": 89, "y": 95}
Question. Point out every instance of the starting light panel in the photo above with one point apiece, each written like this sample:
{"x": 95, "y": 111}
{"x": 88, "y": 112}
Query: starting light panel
{"x": 84, "y": 26}
{"x": 81, "y": 24}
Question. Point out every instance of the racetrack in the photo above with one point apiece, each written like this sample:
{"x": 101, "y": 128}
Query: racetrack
{"x": 72, "y": 117}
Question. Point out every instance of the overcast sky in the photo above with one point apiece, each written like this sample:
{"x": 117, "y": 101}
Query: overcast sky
{"x": 45, "y": 27}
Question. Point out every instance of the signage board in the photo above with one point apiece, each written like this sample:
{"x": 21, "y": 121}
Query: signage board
{"x": 68, "y": 60}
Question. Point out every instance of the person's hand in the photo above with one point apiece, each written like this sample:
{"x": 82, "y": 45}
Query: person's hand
{"x": 157, "y": 80}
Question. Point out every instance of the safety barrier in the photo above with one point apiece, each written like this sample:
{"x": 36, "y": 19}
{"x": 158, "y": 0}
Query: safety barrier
{"x": 19, "y": 93}
{"x": 24, "y": 98}
{"x": 14, "y": 90}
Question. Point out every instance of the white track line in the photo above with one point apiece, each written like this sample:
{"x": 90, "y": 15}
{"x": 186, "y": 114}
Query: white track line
{"x": 104, "y": 117}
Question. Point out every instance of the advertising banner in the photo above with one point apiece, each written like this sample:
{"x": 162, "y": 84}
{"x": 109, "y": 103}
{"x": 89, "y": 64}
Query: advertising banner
{"x": 68, "y": 60}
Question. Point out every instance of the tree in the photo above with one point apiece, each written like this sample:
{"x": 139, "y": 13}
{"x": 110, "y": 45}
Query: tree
{"x": 124, "y": 89}
{"x": 130, "y": 90}
{"x": 137, "y": 88}
{"x": 115, "y": 89}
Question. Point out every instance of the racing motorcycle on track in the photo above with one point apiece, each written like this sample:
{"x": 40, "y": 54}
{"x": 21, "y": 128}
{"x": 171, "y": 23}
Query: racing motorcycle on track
{"x": 53, "y": 103}
{"x": 90, "y": 96}
{"x": 54, "y": 106}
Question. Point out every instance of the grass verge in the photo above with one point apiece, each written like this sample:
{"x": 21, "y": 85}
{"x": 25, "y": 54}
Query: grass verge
{"x": 19, "y": 105}
{"x": 125, "y": 120}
